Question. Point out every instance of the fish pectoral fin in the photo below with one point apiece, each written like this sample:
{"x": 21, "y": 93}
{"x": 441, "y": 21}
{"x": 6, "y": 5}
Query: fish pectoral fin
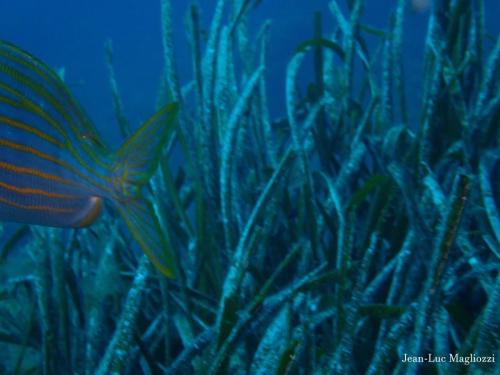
{"x": 144, "y": 225}
{"x": 91, "y": 213}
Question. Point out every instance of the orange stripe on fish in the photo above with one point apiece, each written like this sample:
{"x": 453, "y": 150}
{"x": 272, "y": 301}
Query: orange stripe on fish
{"x": 25, "y": 103}
{"x": 33, "y": 151}
{"x": 23, "y": 126}
{"x": 28, "y": 191}
{"x": 35, "y": 172}
{"x": 42, "y": 155}
{"x": 36, "y": 207}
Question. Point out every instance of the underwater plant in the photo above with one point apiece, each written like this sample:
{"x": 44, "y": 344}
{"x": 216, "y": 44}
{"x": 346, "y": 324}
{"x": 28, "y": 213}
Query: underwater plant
{"x": 347, "y": 237}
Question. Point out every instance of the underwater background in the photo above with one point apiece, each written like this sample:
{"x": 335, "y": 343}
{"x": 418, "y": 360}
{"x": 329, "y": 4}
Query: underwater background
{"x": 330, "y": 192}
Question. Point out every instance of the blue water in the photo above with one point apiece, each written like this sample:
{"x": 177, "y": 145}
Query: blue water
{"x": 72, "y": 34}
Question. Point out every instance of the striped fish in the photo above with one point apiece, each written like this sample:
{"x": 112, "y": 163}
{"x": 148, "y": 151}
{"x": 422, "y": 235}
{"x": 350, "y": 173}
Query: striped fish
{"x": 54, "y": 169}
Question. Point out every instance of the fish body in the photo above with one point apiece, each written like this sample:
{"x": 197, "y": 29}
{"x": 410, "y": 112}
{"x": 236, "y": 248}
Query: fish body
{"x": 54, "y": 168}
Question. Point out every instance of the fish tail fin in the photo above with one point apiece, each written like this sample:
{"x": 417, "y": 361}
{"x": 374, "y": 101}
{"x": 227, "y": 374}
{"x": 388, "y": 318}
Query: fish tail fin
{"x": 135, "y": 162}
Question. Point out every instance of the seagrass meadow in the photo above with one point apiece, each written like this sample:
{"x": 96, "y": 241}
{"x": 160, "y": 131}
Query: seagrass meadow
{"x": 358, "y": 229}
